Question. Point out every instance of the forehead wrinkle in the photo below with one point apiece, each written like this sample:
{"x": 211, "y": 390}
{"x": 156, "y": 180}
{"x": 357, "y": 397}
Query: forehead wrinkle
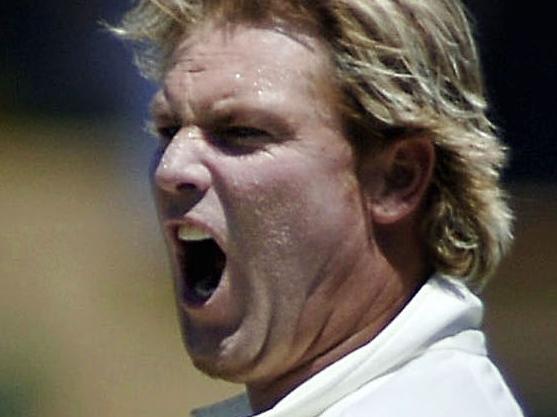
{"x": 198, "y": 55}
{"x": 188, "y": 62}
{"x": 191, "y": 50}
{"x": 176, "y": 91}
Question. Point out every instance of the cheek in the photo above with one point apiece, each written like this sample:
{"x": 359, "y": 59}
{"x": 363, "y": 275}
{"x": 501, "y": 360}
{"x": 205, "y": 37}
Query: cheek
{"x": 289, "y": 212}
{"x": 287, "y": 175}
{"x": 275, "y": 191}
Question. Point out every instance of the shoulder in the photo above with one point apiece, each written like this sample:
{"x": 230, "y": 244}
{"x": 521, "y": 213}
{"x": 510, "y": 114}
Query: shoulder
{"x": 439, "y": 383}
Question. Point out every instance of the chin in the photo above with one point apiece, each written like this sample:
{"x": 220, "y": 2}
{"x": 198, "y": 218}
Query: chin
{"x": 237, "y": 363}
{"x": 231, "y": 369}
{"x": 221, "y": 370}
{"x": 219, "y": 358}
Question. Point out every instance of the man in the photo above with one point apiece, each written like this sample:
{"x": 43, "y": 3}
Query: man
{"x": 328, "y": 188}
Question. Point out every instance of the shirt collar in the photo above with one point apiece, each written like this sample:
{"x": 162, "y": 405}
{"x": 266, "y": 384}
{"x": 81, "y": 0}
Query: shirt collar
{"x": 439, "y": 311}
{"x": 237, "y": 406}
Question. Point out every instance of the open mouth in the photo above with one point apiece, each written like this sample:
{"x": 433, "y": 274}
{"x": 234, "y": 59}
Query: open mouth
{"x": 201, "y": 262}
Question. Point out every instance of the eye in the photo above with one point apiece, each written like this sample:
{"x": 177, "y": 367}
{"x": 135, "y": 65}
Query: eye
{"x": 240, "y": 139}
{"x": 241, "y": 132}
{"x": 167, "y": 133}
{"x": 240, "y": 135}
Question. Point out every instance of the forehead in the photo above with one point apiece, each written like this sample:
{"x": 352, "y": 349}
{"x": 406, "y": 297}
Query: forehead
{"x": 216, "y": 63}
{"x": 271, "y": 45}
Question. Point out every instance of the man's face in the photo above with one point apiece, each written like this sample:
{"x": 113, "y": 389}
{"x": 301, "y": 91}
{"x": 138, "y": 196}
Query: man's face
{"x": 259, "y": 202}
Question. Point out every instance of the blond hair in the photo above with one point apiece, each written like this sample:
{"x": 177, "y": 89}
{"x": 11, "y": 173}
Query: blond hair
{"x": 402, "y": 66}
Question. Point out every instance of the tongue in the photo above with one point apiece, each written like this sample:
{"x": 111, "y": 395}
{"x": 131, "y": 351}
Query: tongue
{"x": 204, "y": 268}
{"x": 204, "y": 288}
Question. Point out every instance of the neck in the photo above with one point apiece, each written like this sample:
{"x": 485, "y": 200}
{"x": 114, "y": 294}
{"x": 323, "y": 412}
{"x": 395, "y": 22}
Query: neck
{"x": 364, "y": 327}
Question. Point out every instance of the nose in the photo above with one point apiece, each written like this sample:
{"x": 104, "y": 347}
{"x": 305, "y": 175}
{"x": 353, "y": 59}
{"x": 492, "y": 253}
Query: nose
{"x": 182, "y": 168}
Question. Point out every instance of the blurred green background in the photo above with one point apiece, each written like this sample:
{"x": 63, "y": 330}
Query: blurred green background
{"x": 87, "y": 324}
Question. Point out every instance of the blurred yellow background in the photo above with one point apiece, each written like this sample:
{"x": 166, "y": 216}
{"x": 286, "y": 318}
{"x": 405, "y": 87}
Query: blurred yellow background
{"x": 87, "y": 323}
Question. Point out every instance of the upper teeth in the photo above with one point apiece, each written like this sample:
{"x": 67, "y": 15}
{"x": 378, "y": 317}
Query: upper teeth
{"x": 192, "y": 233}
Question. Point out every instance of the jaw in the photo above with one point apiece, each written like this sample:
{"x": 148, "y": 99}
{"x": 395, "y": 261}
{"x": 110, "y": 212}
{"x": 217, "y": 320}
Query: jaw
{"x": 229, "y": 347}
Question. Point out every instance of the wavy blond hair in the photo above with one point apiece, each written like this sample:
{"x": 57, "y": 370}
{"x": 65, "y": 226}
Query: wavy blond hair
{"x": 402, "y": 66}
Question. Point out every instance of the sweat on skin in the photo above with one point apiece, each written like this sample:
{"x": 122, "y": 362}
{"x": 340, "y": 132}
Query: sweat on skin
{"x": 254, "y": 156}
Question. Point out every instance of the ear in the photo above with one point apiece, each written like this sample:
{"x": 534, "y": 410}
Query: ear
{"x": 402, "y": 173}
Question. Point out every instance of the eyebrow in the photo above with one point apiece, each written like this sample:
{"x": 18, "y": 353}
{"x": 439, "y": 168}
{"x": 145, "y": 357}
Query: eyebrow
{"x": 155, "y": 106}
{"x": 160, "y": 109}
{"x": 229, "y": 114}
{"x": 245, "y": 113}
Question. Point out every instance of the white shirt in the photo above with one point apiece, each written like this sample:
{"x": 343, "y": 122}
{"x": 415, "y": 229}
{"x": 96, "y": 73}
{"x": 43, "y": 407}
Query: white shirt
{"x": 430, "y": 361}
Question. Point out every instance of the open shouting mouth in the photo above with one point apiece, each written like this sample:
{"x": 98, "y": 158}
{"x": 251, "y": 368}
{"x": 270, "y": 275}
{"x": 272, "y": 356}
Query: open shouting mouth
{"x": 200, "y": 262}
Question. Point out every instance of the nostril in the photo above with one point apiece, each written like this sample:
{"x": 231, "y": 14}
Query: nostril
{"x": 185, "y": 186}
